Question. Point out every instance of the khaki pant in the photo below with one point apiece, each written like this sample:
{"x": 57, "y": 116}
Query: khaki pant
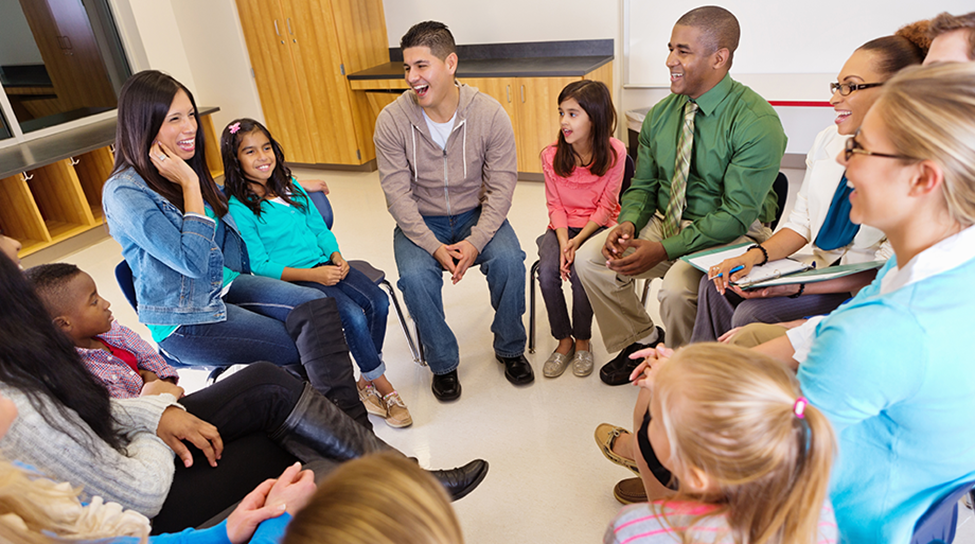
{"x": 622, "y": 318}
{"x": 755, "y": 334}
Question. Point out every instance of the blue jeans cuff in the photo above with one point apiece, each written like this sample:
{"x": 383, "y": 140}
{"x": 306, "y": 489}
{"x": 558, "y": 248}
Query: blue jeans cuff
{"x": 519, "y": 354}
{"x": 376, "y": 372}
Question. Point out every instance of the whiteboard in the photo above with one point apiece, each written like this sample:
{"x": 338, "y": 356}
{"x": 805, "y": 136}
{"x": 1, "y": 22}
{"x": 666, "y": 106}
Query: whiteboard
{"x": 779, "y": 38}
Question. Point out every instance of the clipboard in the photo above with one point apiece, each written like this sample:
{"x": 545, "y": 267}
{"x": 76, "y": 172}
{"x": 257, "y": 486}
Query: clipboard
{"x": 704, "y": 260}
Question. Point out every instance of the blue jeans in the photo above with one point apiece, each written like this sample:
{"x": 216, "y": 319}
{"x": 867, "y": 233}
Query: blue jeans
{"x": 421, "y": 281}
{"x": 364, "y": 309}
{"x": 253, "y": 331}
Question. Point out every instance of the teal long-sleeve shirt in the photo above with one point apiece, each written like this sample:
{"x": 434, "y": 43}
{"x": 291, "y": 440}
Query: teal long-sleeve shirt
{"x": 738, "y": 148}
{"x": 284, "y": 236}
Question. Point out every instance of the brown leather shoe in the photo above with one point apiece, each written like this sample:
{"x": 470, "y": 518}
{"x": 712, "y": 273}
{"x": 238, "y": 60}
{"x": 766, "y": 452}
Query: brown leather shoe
{"x": 630, "y": 490}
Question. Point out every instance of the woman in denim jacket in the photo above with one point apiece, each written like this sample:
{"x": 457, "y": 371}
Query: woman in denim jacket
{"x": 192, "y": 280}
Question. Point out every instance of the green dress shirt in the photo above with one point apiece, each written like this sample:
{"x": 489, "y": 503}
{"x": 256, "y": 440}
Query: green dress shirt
{"x": 738, "y": 147}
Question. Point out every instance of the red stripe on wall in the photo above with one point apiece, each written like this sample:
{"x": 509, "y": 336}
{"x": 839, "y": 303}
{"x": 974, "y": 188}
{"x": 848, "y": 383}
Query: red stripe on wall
{"x": 800, "y": 104}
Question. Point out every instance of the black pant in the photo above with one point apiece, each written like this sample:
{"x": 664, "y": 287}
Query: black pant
{"x": 245, "y": 407}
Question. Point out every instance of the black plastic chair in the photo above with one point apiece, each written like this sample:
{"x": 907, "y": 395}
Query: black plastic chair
{"x": 375, "y": 275}
{"x": 781, "y": 188}
{"x": 628, "y": 171}
{"x": 937, "y": 525}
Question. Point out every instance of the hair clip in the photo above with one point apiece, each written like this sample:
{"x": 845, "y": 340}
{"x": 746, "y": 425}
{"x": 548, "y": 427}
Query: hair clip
{"x": 235, "y": 127}
{"x": 799, "y": 407}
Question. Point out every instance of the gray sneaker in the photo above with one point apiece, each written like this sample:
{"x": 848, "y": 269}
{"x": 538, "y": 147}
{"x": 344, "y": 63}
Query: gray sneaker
{"x": 556, "y": 364}
{"x": 582, "y": 363}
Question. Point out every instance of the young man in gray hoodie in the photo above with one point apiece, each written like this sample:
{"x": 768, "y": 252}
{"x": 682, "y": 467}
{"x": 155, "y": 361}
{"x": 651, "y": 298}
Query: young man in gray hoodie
{"x": 447, "y": 164}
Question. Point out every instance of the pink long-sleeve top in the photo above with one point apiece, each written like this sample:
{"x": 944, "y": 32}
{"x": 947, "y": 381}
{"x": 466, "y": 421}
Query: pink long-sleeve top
{"x": 581, "y": 197}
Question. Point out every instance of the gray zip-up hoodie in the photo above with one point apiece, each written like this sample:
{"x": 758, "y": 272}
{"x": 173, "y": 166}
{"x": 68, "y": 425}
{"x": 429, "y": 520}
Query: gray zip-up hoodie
{"x": 477, "y": 168}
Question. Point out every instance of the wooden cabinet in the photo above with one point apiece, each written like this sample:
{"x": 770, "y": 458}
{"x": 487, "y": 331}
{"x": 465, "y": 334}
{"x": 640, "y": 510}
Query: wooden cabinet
{"x": 300, "y": 51}
{"x": 531, "y": 102}
{"x": 51, "y": 202}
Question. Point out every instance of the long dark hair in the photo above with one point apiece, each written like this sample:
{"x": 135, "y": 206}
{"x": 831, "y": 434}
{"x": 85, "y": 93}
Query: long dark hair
{"x": 236, "y": 183}
{"x": 594, "y": 98}
{"x": 143, "y": 104}
{"x": 41, "y": 362}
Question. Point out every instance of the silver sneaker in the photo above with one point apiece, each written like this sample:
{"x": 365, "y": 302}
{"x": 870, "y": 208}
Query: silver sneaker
{"x": 556, "y": 364}
{"x": 582, "y": 363}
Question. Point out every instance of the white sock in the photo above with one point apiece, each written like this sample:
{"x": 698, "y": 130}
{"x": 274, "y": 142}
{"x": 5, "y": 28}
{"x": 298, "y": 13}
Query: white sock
{"x": 650, "y": 338}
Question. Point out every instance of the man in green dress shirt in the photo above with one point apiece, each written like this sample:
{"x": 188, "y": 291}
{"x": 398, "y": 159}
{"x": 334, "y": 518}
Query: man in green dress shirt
{"x": 732, "y": 152}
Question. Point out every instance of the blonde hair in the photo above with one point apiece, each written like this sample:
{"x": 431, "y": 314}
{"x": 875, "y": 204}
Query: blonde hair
{"x": 729, "y": 413}
{"x": 929, "y": 113}
{"x": 377, "y": 499}
{"x": 38, "y": 510}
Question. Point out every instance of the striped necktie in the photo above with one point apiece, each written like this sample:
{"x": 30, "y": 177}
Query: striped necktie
{"x": 678, "y": 187}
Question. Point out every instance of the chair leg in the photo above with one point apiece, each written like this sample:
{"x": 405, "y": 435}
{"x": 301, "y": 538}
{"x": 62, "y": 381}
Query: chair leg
{"x": 532, "y": 278}
{"x": 417, "y": 353}
{"x": 419, "y": 344}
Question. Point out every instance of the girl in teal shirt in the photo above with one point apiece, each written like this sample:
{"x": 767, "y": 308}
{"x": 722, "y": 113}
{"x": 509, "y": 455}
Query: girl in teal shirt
{"x": 287, "y": 239}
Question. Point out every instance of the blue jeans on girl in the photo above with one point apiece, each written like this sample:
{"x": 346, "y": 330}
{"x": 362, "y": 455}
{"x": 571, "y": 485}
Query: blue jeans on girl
{"x": 364, "y": 309}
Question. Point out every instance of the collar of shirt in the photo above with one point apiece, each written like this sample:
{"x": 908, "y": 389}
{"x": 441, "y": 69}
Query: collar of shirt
{"x": 710, "y": 100}
{"x": 947, "y": 254}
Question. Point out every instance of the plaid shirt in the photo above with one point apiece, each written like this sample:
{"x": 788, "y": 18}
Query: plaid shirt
{"x": 118, "y": 377}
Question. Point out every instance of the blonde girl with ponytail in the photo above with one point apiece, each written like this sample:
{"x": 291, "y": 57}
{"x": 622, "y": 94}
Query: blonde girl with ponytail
{"x": 750, "y": 457}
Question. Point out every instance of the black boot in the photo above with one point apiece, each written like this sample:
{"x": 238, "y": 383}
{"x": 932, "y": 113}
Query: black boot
{"x": 462, "y": 480}
{"x": 316, "y": 427}
{"x": 316, "y": 328}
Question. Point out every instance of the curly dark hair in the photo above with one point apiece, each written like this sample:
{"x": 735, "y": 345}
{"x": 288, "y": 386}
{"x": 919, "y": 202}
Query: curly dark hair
{"x": 236, "y": 183}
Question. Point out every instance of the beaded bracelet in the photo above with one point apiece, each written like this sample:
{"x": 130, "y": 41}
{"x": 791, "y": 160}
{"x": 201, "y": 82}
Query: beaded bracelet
{"x": 802, "y": 287}
{"x": 764, "y": 253}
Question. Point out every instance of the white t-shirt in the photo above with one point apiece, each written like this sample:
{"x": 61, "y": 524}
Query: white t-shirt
{"x": 440, "y": 131}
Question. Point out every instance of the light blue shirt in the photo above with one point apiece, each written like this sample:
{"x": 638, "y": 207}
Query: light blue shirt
{"x": 894, "y": 371}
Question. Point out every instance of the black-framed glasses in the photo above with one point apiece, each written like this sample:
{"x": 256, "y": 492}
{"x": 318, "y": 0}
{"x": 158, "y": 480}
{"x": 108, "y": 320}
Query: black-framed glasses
{"x": 854, "y": 147}
{"x": 846, "y": 88}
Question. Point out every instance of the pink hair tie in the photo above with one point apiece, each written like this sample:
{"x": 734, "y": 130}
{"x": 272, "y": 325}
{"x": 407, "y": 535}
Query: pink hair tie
{"x": 799, "y": 407}
{"x": 235, "y": 127}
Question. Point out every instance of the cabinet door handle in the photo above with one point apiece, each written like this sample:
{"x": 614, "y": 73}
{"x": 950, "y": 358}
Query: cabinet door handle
{"x": 276, "y": 31}
{"x": 507, "y": 90}
{"x": 522, "y": 94}
{"x": 289, "y": 26}
{"x": 26, "y": 177}
{"x": 74, "y": 161}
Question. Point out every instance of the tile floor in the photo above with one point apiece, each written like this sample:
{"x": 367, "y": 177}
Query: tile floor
{"x": 548, "y": 481}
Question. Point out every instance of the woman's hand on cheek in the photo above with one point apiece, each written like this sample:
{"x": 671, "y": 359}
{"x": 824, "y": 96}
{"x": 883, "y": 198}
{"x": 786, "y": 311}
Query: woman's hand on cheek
{"x": 172, "y": 167}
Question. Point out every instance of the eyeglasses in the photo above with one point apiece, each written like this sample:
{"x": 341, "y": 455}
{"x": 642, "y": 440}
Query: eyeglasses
{"x": 853, "y": 146}
{"x": 846, "y": 88}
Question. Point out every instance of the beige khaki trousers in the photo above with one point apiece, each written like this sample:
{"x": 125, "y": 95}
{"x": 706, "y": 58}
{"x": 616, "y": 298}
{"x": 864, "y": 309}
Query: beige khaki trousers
{"x": 616, "y": 305}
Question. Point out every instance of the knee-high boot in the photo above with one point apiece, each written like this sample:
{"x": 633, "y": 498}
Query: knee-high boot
{"x": 316, "y": 427}
{"x": 316, "y": 328}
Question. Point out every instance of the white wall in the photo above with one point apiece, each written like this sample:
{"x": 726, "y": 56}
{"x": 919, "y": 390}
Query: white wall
{"x": 200, "y": 44}
{"x": 507, "y": 20}
{"x": 18, "y": 41}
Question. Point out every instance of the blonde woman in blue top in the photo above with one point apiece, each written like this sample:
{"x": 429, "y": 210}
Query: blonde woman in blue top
{"x": 892, "y": 368}
{"x": 287, "y": 239}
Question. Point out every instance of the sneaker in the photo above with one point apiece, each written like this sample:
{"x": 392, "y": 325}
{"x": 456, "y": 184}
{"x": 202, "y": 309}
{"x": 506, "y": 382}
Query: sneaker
{"x": 556, "y": 364}
{"x": 582, "y": 363}
{"x": 372, "y": 400}
{"x": 397, "y": 415}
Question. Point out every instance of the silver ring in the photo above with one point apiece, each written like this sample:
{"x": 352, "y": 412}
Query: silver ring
{"x": 162, "y": 157}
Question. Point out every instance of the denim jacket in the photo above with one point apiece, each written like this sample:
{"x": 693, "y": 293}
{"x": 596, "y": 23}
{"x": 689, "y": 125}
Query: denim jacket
{"x": 177, "y": 260}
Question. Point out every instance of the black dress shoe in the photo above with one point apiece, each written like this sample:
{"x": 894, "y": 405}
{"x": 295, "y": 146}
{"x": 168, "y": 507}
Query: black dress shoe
{"x": 462, "y": 480}
{"x": 517, "y": 369}
{"x": 617, "y": 371}
{"x": 446, "y": 386}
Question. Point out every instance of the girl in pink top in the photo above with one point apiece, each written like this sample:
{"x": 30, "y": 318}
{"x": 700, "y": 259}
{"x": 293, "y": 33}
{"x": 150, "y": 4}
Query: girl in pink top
{"x": 729, "y": 429}
{"x": 583, "y": 173}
